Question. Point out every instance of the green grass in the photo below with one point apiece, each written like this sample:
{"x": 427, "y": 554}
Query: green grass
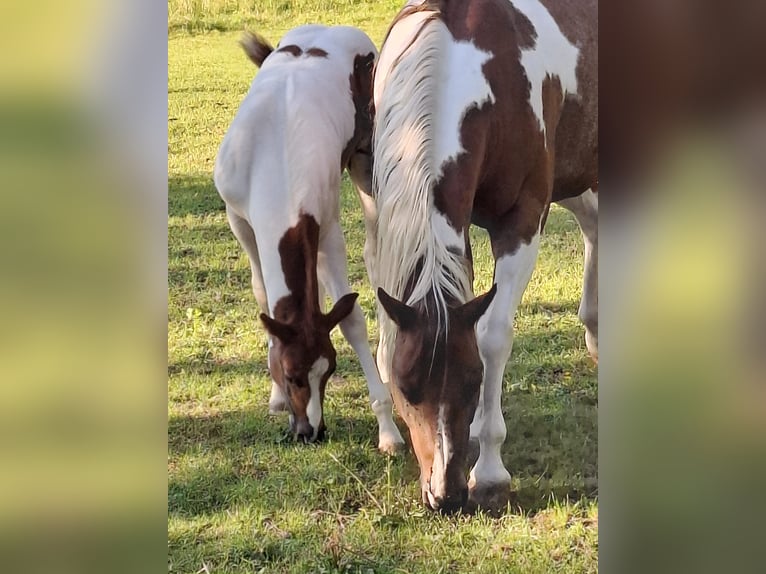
{"x": 242, "y": 497}
{"x": 278, "y": 16}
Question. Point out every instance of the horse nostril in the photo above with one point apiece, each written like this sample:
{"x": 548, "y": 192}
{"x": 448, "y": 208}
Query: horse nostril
{"x": 304, "y": 431}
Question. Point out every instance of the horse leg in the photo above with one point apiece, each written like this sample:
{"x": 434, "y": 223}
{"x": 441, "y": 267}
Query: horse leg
{"x": 585, "y": 209}
{"x": 331, "y": 266}
{"x": 244, "y": 234}
{"x": 478, "y": 416}
{"x": 489, "y": 483}
{"x": 322, "y": 295}
{"x": 371, "y": 236}
{"x": 370, "y": 246}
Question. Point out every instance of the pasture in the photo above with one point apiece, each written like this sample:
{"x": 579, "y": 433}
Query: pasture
{"x": 242, "y": 496}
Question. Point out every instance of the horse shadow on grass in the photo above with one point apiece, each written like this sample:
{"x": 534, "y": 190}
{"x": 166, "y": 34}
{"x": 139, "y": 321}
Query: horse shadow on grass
{"x": 248, "y": 457}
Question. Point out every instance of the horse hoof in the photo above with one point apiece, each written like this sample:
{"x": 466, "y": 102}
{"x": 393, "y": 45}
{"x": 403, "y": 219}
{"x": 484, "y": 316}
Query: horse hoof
{"x": 591, "y": 343}
{"x": 277, "y": 407}
{"x": 391, "y": 447}
{"x": 491, "y": 498}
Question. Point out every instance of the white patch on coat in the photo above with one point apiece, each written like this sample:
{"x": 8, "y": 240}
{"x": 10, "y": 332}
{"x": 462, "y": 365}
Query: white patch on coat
{"x": 443, "y": 453}
{"x": 552, "y": 55}
{"x": 446, "y": 443}
{"x": 281, "y": 155}
{"x": 494, "y": 334}
{"x": 314, "y": 408}
{"x": 446, "y": 233}
{"x": 461, "y": 87}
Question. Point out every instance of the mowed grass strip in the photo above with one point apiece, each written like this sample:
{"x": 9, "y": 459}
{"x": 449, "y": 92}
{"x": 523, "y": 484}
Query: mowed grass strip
{"x": 242, "y": 497}
{"x": 373, "y": 16}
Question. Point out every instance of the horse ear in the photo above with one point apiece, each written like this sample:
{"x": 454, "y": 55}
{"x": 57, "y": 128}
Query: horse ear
{"x": 281, "y": 331}
{"x": 402, "y": 314}
{"x": 340, "y": 310}
{"x": 469, "y": 313}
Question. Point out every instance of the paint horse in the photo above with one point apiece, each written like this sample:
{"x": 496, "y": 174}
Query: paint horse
{"x": 485, "y": 113}
{"x": 306, "y": 117}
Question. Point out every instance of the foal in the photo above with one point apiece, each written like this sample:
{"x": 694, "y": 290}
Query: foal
{"x": 304, "y": 120}
{"x": 486, "y": 111}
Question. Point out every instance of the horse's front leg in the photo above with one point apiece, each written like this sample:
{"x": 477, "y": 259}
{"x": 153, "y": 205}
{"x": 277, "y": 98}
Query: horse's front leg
{"x": 370, "y": 260}
{"x": 246, "y": 237}
{"x": 489, "y": 483}
{"x": 332, "y": 272}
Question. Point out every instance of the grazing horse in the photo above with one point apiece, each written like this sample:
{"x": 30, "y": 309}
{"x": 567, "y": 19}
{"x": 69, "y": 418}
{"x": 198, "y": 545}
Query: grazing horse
{"x": 305, "y": 119}
{"x": 486, "y": 111}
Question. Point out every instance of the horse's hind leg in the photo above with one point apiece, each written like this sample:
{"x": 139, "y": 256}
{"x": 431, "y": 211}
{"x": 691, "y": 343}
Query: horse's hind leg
{"x": 489, "y": 483}
{"x": 244, "y": 234}
{"x": 332, "y": 272}
{"x": 585, "y": 209}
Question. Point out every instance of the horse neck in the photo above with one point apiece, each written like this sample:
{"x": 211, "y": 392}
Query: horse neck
{"x": 298, "y": 252}
{"x": 413, "y": 244}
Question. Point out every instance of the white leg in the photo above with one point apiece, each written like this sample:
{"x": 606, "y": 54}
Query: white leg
{"x": 370, "y": 241}
{"x": 382, "y": 361}
{"x": 322, "y": 295}
{"x": 277, "y": 400}
{"x": 332, "y": 272}
{"x": 478, "y": 417}
{"x": 244, "y": 234}
{"x": 489, "y": 478}
{"x": 585, "y": 209}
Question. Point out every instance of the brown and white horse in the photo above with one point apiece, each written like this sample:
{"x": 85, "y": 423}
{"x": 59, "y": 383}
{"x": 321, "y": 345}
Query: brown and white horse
{"x": 305, "y": 119}
{"x": 486, "y": 111}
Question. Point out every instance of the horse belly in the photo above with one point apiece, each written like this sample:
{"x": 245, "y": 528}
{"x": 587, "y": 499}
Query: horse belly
{"x": 576, "y": 167}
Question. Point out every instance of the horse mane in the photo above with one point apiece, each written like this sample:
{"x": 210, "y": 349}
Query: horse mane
{"x": 415, "y": 264}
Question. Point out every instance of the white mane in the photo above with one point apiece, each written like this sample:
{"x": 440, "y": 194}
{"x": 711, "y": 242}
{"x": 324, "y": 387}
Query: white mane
{"x": 411, "y": 232}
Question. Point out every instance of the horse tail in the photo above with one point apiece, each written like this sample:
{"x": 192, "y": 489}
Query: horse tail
{"x": 256, "y": 47}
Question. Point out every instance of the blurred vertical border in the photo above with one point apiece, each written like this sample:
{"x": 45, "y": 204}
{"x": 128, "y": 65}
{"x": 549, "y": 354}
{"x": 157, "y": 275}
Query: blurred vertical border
{"x": 83, "y": 144}
{"x": 682, "y": 425}
{"x": 83, "y": 234}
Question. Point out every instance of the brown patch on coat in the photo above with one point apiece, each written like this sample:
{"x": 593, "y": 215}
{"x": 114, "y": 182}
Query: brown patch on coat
{"x": 525, "y": 33}
{"x": 291, "y": 49}
{"x": 506, "y": 192}
{"x": 506, "y": 179}
{"x": 300, "y": 331}
{"x": 298, "y": 250}
{"x": 256, "y": 47}
{"x": 316, "y": 52}
{"x": 576, "y": 167}
{"x": 357, "y": 153}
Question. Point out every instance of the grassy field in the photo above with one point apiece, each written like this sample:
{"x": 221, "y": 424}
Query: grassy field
{"x": 242, "y": 497}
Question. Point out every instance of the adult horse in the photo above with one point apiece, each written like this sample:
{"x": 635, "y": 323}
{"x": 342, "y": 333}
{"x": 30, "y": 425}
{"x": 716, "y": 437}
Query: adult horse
{"x": 304, "y": 120}
{"x": 486, "y": 111}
